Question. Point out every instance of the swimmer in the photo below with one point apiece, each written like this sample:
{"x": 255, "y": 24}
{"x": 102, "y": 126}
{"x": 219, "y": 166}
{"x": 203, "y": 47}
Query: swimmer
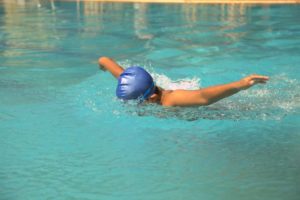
{"x": 137, "y": 83}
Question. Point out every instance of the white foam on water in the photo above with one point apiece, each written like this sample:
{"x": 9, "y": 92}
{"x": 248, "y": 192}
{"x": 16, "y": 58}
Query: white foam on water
{"x": 163, "y": 80}
{"x": 272, "y": 101}
{"x": 169, "y": 84}
{"x": 275, "y": 100}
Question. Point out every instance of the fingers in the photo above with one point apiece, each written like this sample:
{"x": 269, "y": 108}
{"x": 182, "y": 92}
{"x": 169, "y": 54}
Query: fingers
{"x": 261, "y": 81}
{"x": 254, "y": 79}
{"x": 259, "y": 77}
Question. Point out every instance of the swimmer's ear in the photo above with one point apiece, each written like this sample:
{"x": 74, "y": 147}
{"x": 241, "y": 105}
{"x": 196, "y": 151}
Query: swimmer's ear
{"x": 154, "y": 98}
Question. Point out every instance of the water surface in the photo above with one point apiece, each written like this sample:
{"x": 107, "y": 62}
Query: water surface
{"x": 64, "y": 135}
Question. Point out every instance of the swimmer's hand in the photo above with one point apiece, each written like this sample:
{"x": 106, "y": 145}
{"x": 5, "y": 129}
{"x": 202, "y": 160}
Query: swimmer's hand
{"x": 106, "y": 63}
{"x": 251, "y": 80}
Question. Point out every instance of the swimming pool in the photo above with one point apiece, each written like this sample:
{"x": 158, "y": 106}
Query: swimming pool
{"x": 64, "y": 135}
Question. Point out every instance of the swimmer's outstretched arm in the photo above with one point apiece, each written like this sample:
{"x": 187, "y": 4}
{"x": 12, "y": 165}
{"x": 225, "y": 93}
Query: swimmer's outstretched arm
{"x": 109, "y": 64}
{"x": 212, "y": 94}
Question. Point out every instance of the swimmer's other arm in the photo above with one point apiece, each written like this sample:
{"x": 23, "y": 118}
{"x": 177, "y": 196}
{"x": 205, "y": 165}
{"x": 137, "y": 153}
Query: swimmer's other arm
{"x": 109, "y": 64}
{"x": 207, "y": 96}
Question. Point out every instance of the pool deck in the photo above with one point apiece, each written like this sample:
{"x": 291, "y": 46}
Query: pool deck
{"x": 206, "y": 1}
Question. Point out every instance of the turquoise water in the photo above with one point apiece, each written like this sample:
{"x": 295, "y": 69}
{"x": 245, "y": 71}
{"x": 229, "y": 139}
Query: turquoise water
{"x": 64, "y": 135}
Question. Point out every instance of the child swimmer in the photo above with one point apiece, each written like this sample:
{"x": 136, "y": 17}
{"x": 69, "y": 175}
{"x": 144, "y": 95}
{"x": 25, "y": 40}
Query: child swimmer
{"x": 137, "y": 83}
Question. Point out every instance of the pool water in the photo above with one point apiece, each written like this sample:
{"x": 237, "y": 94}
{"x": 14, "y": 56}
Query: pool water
{"x": 64, "y": 135}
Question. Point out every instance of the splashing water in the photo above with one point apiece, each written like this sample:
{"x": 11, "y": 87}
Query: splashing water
{"x": 272, "y": 101}
{"x": 65, "y": 134}
{"x": 164, "y": 81}
{"x": 168, "y": 84}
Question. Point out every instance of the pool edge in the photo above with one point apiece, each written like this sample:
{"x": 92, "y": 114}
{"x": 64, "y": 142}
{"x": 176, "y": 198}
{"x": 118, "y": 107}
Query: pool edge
{"x": 196, "y": 1}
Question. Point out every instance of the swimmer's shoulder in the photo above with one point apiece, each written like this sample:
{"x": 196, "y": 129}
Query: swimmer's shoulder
{"x": 180, "y": 98}
{"x": 166, "y": 98}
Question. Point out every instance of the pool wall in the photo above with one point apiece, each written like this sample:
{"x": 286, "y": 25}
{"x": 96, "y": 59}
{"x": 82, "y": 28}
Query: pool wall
{"x": 205, "y": 1}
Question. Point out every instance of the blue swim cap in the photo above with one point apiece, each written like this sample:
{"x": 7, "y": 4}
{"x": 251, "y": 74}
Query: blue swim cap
{"x": 134, "y": 83}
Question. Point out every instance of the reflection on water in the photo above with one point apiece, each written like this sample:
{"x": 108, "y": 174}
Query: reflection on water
{"x": 94, "y": 18}
{"x": 88, "y": 29}
{"x": 65, "y": 135}
{"x": 20, "y": 34}
{"x": 140, "y": 21}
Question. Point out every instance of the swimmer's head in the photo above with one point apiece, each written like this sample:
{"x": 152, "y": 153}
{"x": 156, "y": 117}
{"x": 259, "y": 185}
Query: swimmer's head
{"x": 135, "y": 83}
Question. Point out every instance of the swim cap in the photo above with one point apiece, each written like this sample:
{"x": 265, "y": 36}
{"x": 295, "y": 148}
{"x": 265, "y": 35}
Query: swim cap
{"x": 134, "y": 83}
